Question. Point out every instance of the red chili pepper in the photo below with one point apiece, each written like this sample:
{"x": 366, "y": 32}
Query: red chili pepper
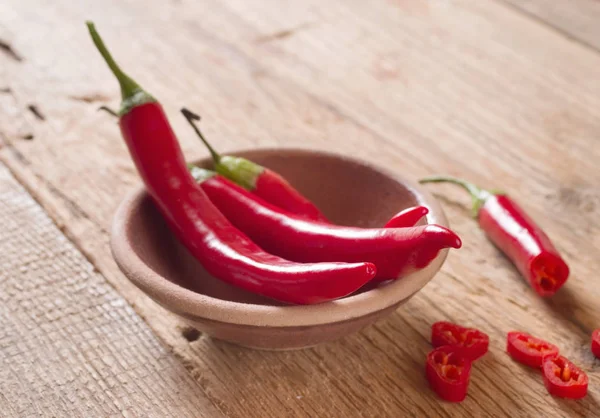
{"x": 474, "y": 343}
{"x": 517, "y": 235}
{"x": 395, "y": 252}
{"x": 528, "y": 349}
{"x": 223, "y": 250}
{"x": 563, "y": 379}
{"x": 407, "y": 217}
{"x": 448, "y": 372}
{"x": 596, "y": 343}
{"x": 261, "y": 181}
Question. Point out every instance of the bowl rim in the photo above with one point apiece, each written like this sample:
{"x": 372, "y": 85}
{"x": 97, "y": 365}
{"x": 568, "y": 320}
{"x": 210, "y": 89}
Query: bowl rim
{"x": 186, "y": 302}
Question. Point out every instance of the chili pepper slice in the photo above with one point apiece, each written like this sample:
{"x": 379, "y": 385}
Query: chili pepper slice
{"x": 407, "y": 217}
{"x": 448, "y": 372}
{"x": 473, "y": 342}
{"x": 260, "y": 180}
{"x": 529, "y": 350}
{"x": 563, "y": 379}
{"x": 222, "y": 249}
{"x": 517, "y": 235}
{"x": 596, "y": 343}
{"x": 394, "y": 251}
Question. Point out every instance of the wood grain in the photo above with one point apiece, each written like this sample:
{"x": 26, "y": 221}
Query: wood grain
{"x": 69, "y": 344}
{"x": 468, "y": 88}
{"x": 576, "y": 19}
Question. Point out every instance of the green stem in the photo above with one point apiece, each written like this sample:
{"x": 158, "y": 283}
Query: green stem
{"x": 478, "y": 195}
{"x": 131, "y": 93}
{"x": 200, "y": 174}
{"x": 192, "y": 118}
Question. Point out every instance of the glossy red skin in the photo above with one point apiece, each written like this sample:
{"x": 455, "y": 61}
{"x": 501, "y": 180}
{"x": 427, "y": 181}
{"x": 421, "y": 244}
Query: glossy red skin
{"x": 524, "y": 243}
{"x": 407, "y": 217}
{"x": 223, "y": 250}
{"x": 596, "y": 343}
{"x": 575, "y": 387}
{"x": 395, "y": 252}
{"x": 473, "y": 343}
{"x": 450, "y": 388}
{"x": 529, "y": 350}
{"x": 276, "y": 190}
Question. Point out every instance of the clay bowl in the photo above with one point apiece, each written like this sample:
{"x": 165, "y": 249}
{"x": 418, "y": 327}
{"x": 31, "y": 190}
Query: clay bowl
{"x": 348, "y": 191}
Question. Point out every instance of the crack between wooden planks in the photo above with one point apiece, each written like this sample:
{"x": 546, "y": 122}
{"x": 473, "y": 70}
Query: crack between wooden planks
{"x": 282, "y": 34}
{"x": 37, "y": 113}
{"x": 556, "y": 29}
{"x": 10, "y": 51}
{"x": 72, "y": 206}
{"x": 17, "y": 168}
{"x": 196, "y": 375}
{"x": 90, "y": 98}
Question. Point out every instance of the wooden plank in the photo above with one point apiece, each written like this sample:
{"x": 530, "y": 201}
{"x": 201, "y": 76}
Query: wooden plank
{"x": 576, "y": 19}
{"x": 69, "y": 343}
{"x": 469, "y": 88}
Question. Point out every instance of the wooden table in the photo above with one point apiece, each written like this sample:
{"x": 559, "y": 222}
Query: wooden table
{"x": 505, "y": 93}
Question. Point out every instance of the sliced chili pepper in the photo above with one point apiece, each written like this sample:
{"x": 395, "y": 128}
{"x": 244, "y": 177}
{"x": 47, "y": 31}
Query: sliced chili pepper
{"x": 528, "y": 349}
{"x": 518, "y": 236}
{"x": 448, "y": 372}
{"x": 407, "y": 217}
{"x": 222, "y": 249}
{"x": 394, "y": 251}
{"x": 260, "y": 180}
{"x": 473, "y": 342}
{"x": 563, "y": 379}
{"x": 596, "y": 343}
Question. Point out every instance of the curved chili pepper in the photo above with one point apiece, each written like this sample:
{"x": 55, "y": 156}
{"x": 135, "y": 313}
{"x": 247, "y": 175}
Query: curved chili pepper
{"x": 448, "y": 372}
{"x": 407, "y": 217}
{"x": 596, "y": 343}
{"x": 222, "y": 249}
{"x": 518, "y": 236}
{"x": 529, "y": 350}
{"x": 395, "y": 252}
{"x": 473, "y": 342}
{"x": 263, "y": 182}
{"x": 563, "y": 379}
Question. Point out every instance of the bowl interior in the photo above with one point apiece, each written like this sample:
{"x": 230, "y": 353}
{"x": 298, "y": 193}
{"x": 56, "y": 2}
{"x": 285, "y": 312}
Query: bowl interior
{"x": 348, "y": 193}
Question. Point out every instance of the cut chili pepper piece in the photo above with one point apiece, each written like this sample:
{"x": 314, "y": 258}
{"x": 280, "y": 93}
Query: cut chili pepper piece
{"x": 596, "y": 343}
{"x": 407, "y": 217}
{"x": 508, "y": 226}
{"x": 529, "y": 350}
{"x": 448, "y": 372}
{"x": 473, "y": 342}
{"x": 563, "y": 379}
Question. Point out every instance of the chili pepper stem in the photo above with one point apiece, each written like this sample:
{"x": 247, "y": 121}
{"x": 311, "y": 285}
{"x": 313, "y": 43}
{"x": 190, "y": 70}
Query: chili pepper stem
{"x": 200, "y": 174}
{"x": 109, "y": 111}
{"x": 478, "y": 195}
{"x": 131, "y": 93}
{"x": 192, "y": 118}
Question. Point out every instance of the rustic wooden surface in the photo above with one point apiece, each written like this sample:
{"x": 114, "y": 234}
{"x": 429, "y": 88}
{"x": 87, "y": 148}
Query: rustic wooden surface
{"x": 476, "y": 89}
{"x": 577, "y": 19}
{"x": 70, "y": 345}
